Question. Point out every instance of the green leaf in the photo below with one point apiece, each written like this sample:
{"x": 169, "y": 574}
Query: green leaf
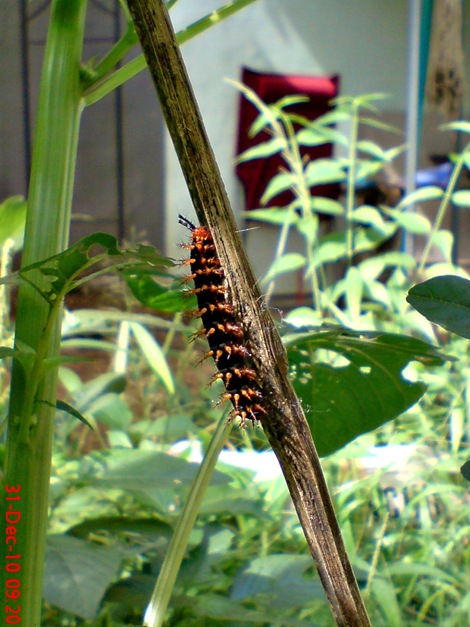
{"x": 327, "y": 206}
{"x": 55, "y": 276}
{"x": 111, "y": 410}
{"x": 465, "y": 470}
{"x": 460, "y": 125}
{"x": 445, "y": 300}
{"x": 23, "y": 354}
{"x": 411, "y": 221}
{"x": 316, "y": 135}
{"x": 461, "y": 198}
{"x": 421, "y": 195}
{"x": 385, "y": 595}
{"x": 135, "y": 469}
{"x": 367, "y": 214}
{"x": 12, "y": 220}
{"x": 303, "y": 317}
{"x": 372, "y": 149}
{"x": 146, "y": 289}
{"x": 290, "y": 262}
{"x": 280, "y": 578}
{"x": 360, "y": 387}
{"x": 366, "y": 169}
{"x": 273, "y": 215}
{"x": 373, "y": 266}
{"x": 262, "y": 150}
{"x": 332, "y": 248}
{"x": 63, "y": 406}
{"x": 382, "y": 126}
{"x": 444, "y": 241}
{"x": 154, "y": 355}
{"x": 276, "y": 185}
{"x": 323, "y": 171}
{"x": 77, "y": 574}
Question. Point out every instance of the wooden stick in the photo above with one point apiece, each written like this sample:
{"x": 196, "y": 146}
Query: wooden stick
{"x": 285, "y": 425}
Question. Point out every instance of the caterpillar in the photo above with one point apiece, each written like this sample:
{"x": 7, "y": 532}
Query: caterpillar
{"x": 223, "y": 332}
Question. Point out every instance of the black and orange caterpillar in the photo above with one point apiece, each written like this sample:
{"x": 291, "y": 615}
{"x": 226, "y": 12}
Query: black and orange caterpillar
{"x": 223, "y": 332}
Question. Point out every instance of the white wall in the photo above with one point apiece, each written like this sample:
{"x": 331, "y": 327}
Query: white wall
{"x": 365, "y": 41}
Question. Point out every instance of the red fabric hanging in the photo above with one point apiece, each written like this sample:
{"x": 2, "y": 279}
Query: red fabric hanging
{"x": 255, "y": 175}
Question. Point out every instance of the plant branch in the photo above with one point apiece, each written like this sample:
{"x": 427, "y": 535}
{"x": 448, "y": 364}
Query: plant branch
{"x": 98, "y": 88}
{"x": 285, "y": 424}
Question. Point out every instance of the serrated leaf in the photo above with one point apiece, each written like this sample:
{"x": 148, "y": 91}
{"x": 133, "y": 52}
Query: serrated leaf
{"x": 290, "y": 262}
{"x": 154, "y": 355}
{"x": 445, "y": 300}
{"x": 423, "y": 194}
{"x": 361, "y": 388}
{"x": 55, "y": 276}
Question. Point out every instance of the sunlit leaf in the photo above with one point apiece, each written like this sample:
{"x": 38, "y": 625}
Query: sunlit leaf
{"x": 411, "y": 221}
{"x": 323, "y": 171}
{"x": 290, "y": 262}
{"x": 461, "y": 198}
{"x": 372, "y": 149}
{"x": 444, "y": 241}
{"x": 367, "y": 214}
{"x": 361, "y": 387}
{"x": 422, "y": 194}
{"x": 279, "y": 183}
{"x": 262, "y": 150}
{"x": 327, "y": 206}
{"x": 273, "y": 215}
{"x": 460, "y": 125}
{"x": 12, "y": 220}
{"x": 154, "y": 355}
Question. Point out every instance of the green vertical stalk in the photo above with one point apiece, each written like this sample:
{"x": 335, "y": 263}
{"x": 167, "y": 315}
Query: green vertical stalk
{"x": 351, "y": 182}
{"x": 31, "y": 424}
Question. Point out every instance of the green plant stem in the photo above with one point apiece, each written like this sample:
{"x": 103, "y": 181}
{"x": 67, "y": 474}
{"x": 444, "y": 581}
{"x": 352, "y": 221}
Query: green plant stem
{"x": 100, "y": 88}
{"x": 156, "y": 609}
{"x": 444, "y": 206}
{"x": 351, "y": 183}
{"x": 294, "y": 158}
{"x": 30, "y": 431}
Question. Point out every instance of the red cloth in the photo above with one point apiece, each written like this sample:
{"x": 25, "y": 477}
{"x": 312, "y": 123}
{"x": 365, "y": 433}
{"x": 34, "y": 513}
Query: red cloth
{"x": 256, "y": 174}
